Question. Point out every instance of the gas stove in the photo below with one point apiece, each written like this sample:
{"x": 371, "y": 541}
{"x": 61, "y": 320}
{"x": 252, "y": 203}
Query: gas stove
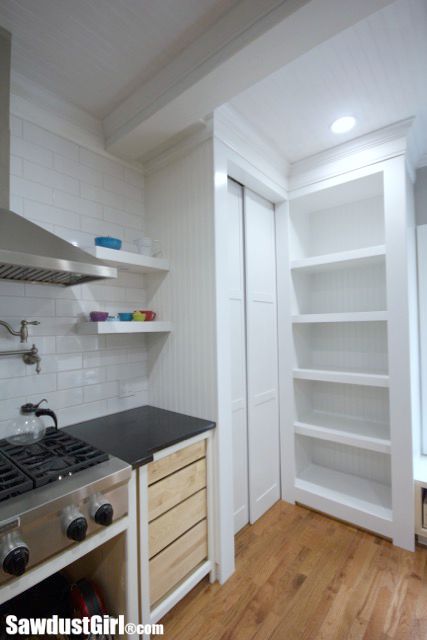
{"x": 53, "y": 494}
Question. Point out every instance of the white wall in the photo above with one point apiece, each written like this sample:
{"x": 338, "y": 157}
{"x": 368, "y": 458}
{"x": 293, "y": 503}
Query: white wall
{"x": 179, "y": 213}
{"x": 77, "y": 194}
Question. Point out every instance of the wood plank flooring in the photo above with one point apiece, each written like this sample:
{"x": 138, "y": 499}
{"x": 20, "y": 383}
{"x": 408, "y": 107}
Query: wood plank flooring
{"x": 300, "y": 575}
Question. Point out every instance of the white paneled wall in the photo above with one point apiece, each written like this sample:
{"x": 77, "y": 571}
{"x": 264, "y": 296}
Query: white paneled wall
{"x": 179, "y": 213}
{"x": 77, "y": 194}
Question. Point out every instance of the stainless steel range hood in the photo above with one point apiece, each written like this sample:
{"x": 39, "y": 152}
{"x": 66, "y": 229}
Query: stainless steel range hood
{"x": 28, "y": 252}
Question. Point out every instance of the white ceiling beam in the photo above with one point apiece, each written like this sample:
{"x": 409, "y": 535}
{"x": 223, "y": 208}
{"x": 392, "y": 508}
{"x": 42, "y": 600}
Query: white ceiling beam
{"x": 252, "y": 41}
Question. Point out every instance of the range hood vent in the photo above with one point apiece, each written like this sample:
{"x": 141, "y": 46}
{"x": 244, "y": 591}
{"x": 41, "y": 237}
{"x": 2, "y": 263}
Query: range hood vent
{"x": 29, "y": 253}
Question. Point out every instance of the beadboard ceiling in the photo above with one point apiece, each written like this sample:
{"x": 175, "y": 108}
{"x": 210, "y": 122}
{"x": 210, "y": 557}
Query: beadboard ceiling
{"x": 375, "y": 70}
{"x": 94, "y": 53}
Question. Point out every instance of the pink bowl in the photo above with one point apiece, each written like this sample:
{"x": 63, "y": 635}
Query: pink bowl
{"x": 98, "y": 316}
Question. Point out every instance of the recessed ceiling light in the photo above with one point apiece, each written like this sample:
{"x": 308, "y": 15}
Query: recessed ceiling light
{"x": 344, "y": 124}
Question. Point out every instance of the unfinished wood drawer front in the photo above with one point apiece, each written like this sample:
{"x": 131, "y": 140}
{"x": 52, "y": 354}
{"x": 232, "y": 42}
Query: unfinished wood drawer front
{"x": 164, "y": 467}
{"x": 175, "y": 562}
{"x": 170, "y": 491}
{"x": 174, "y": 523}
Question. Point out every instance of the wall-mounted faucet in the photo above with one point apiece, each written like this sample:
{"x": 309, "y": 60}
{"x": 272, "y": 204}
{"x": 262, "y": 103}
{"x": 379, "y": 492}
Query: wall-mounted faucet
{"x": 22, "y": 331}
{"x": 32, "y": 355}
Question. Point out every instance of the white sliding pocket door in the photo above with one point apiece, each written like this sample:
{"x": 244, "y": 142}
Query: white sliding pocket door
{"x": 238, "y": 354}
{"x": 261, "y": 354}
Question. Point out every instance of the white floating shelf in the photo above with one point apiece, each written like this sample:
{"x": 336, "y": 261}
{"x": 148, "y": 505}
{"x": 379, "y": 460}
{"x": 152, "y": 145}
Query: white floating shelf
{"x": 366, "y": 256}
{"x": 341, "y": 376}
{"x": 367, "y": 496}
{"x": 354, "y": 432}
{"x": 128, "y": 261}
{"x": 355, "y": 316}
{"x": 100, "y": 328}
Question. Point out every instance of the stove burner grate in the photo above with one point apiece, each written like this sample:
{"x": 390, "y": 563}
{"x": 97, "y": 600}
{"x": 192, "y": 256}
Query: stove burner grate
{"x": 57, "y": 456}
{"x": 12, "y": 481}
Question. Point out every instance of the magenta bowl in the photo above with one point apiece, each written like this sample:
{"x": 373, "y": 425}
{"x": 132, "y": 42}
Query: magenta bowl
{"x": 98, "y": 316}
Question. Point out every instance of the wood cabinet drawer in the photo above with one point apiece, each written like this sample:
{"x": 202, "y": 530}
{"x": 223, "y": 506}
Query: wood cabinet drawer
{"x": 172, "y": 524}
{"x": 165, "y": 466}
{"x": 172, "y": 490}
{"x": 175, "y": 562}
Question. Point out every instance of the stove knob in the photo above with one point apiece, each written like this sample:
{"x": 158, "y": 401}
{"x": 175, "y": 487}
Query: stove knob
{"x": 104, "y": 515}
{"x": 14, "y": 555}
{"x": 101, "y": 511}
{"x": 74, "y": 524}
{"x": 16, "y": 561}
{"x": 77, "y": 529}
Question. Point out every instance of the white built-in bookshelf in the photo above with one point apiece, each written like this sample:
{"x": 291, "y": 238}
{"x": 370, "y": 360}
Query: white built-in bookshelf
{"x": 349, "y": 321}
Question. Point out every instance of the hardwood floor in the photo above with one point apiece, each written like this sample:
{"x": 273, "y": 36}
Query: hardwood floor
{"x": 300, "y": 575}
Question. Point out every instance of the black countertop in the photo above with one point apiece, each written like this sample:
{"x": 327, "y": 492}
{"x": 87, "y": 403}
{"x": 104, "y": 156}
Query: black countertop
{"x": 135, "y": 435}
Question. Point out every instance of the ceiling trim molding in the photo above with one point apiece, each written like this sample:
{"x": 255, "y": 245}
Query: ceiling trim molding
{"x": 239, "y": 135}
{"x": 379, "y": 145}
{"x": 253, "y": 40}
{"x": 32, "y": 102}
{"x": 238, "y": 27}
{"x": 177, "y": 147}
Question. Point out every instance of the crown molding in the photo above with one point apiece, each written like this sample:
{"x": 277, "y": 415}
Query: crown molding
{"x": 32, "y": 102}
{"x": 379, "y": 145}
{"x": 239, "y": 135}
{"x": 177, "y": 147}
{"x": 252, "y": 40}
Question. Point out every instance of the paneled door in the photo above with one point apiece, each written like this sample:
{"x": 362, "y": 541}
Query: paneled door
{"x": 262, "y": 354}
{"x": 254, "y": 374}
{"x": 238, "y": 354}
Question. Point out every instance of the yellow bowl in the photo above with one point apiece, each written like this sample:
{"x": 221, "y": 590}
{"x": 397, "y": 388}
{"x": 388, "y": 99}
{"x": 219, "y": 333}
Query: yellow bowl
{"x": 137, "y": 315}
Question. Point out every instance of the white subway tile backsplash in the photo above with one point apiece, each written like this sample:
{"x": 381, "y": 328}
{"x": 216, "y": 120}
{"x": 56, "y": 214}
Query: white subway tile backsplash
{"x": 37, "y": 383}
{"x": 44, "y": 138}
{"x": 97, "y": 194}
{"x": 54, "y": 179}
{"x": 24, "y": 149}
{"x": 76, "y": 237}
{"x": 77, "y": 194}
{"x": 95, "y": 392}
{"x": 101, "y": 228}
{"x": 29, "y": 189}
{"x": 16, "y": 166}
{"x": 67, "y": 344}
{"x": 79, "y": 205}
{"x": 105, "y": 357}
{"x": 81, "y": 377}
{"x": 17, "y": 204}
{"x": 134, "y": 177}
{"x": 121, "y": 187}
{"x": 44, "y": 213}
{"x": 69, "y": 361}
{"x": 61, "y": 399}
{"x": 14, "y": 307}
{"x": 9, "y": 288}
{"x": 78, "y": 171}
{"x": 129, "y": 402}
{"x": 133, "y": 206}
{"x": 16, "y": 126}
{"x": 101, "y": 163}
{"x": 125, "y": 219}
{"x": 82, "y": 412}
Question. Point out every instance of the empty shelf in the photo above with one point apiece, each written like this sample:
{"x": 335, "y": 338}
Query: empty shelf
{"x": 345, "y": 430}
{"x": 355, "y": 492}
{"x": 354, "y": 316}
{"x": 342, "y": 376}
{"x": 365, "y": 256}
